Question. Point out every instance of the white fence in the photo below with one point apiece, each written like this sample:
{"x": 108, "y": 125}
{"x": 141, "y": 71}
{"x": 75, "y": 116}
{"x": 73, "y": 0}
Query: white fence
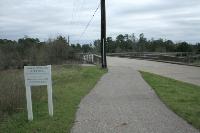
{"x": 91, "y": 58}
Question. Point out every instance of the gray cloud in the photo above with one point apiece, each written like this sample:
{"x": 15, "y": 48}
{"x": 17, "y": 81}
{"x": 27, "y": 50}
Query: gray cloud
{"x": 170, "y": 19}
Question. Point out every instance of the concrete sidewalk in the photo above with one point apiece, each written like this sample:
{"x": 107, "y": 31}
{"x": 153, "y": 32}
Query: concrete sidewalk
{"x": 122, "y": 102}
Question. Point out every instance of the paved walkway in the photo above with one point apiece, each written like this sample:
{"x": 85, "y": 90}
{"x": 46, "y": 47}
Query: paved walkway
{"x": 122, "y": 102}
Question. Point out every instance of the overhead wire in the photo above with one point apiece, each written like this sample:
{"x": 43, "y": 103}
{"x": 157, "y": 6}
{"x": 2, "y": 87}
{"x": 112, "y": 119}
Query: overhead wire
{"x": 81, "y": 6}
{"x": 88, "y": 24}
{"x": 74, "y": 11}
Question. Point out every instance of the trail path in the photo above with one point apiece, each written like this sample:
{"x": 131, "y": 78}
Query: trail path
{"x": 122, "y": 102}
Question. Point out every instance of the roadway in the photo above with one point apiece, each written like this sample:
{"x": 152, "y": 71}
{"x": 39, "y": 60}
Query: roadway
{"x": 184, "y": 73}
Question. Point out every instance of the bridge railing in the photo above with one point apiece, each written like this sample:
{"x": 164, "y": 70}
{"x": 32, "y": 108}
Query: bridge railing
{"x": 90, "y": 58}
{"x": 182, "y": 57}
{"x": 97, "y": 59}
{"x": 151, "y": 53}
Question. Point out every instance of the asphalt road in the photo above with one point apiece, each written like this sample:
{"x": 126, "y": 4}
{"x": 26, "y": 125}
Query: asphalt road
{"x": 122, "y": 102}
{"x": 184, "y": 73}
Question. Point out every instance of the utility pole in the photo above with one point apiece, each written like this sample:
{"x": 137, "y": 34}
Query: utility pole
{"x": 68, "y": 40}
{"x": 103, "y": 34}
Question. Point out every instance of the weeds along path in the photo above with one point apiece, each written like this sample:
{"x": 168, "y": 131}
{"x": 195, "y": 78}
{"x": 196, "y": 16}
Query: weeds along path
{"x": 70, "y": 84}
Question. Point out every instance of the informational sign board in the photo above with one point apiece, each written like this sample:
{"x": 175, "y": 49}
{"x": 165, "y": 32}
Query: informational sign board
{"x": 38, "y": 76}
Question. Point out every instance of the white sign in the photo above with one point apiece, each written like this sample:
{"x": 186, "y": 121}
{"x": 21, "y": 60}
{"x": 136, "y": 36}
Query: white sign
{"x": 38, "y": 76}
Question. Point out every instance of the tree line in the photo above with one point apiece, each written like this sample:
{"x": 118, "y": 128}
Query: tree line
{"x": 130, "y": 43}
{"x": 31, "y": 51}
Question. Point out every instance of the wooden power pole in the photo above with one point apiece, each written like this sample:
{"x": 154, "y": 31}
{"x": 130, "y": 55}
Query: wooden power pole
{"x": 103, "y": 34}
{"x": 68, "y": 41}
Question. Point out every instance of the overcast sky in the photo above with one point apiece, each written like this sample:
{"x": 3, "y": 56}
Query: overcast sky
{"x": 178, "y": 20}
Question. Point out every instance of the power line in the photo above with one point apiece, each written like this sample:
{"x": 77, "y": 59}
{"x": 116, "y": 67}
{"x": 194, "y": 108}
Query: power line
{"x": 75, "y": 7}
{"x": 82, "y": 3}
{"x": 74, "y": 12}
{"x": 88, "y": 24}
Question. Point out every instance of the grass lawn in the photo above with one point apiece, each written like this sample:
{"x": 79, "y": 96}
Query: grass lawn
{"x": 196, "y": 62}
{"x": 70, "y": 85}
{"x": 183, "y": 98}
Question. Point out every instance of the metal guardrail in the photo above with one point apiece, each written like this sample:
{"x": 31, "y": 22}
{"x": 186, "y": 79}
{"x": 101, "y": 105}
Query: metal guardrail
{"x": 174, "y": 57}
{"x": 152, "y": 53}
{"x": 179, "y": 57}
